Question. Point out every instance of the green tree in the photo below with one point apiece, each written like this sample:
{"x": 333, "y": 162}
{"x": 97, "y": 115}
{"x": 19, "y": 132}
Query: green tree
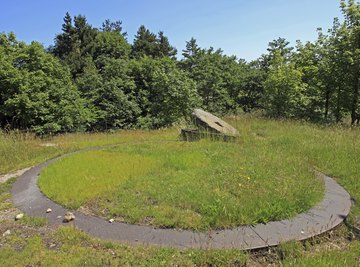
{"x": 110, "y": 26}
{"x": 110, "y": 45}
{"x": 350, "y": 35}
{"x": 148, "y": 44}
{"x": 252, "y": 87}
{"x": 75, "y": 43}
{"x": 36, "y": 91}
{"x": 219, "y": 78}
{"x": 163, "y": 92}
{"x": 164, "y": 47}
{"x": 145, "y": 44}
{"x": 64, "y": 42}
{"x": 283, "y": 86}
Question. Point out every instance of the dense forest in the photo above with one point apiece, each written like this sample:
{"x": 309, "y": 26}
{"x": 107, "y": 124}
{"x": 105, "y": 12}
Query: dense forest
{"x": 93, "y": 79}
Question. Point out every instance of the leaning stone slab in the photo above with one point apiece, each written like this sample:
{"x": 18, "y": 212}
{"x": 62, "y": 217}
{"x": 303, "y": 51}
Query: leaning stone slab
{"x": 213, "y": 124}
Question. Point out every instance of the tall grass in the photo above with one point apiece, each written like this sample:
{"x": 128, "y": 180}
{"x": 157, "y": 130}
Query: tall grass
{"x": 334, "y": 150}
{"x": 19, "y": 149}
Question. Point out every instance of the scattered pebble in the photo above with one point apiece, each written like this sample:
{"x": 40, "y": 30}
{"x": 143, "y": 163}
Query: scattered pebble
{"x": 48, "y": 210}
{"x": 19, "y": 216}
{"x": 302, "y": 232}
{"x": 52, "y": 245}
{"x": 7, "y": 232}
{"x": 111, "y": 220}
{"x": 68, "y": 217}
{"x": 59, "y": 217}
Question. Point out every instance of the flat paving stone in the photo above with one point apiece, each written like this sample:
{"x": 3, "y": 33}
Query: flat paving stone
{"x": 330, "y": 212}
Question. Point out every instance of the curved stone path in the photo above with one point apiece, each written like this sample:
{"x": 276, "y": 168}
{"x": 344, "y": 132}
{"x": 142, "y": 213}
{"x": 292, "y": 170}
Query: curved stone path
{"x": 330, "y": 212}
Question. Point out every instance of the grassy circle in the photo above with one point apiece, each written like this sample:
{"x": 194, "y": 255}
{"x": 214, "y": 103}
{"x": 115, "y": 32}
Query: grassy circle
{"x": 197, "y": 185}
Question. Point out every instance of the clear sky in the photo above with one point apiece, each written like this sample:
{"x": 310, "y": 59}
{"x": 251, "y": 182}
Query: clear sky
{"x": 239, "y": 27}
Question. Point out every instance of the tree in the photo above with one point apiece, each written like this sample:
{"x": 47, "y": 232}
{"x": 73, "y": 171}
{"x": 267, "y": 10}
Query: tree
{"x": 145, "y": 44}
{"x": 218, "y": 78}
{"x": 36, "y": 91}
{"x": 351, "y": 39}
{"x": 283, "y": 86}
{"x": 64, "y": 42}
{"x": 165, "y": 49}
{"x": 110, "y": 45}
{"x": 190, "y": 53}
{"x": 148, "y": 44}
{"x": 280, "y": 46}
{"x": 191, "y": 49}
{"x": 110, "y": 26}
{"x": 252, "y": 87}
{"x": 163, "y": 92}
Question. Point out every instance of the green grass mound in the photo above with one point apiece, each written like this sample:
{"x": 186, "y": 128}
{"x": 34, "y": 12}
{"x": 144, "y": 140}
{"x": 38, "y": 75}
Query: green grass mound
{"x": 198, "y": 185}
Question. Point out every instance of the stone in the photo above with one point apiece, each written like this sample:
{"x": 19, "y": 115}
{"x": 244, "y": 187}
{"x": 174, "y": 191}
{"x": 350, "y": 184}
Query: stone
{"x": 7, "y": 232}
{"x": 190, "y": 135}
{"x": 68, "y": 217}
{"x": 214, "y": 125}
{"x": 111, "y": 220}
{"x": 19, "y": 216}
{"x": 48, "y": 210}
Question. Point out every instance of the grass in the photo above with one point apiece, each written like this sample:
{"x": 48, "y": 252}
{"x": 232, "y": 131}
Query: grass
{"x": 334, "y": 150}
{"x": 5, "y": 195}
{"x": 67, "y": 246}
{"x": 198, "y": 185}
{"x": 327, "y": 258}
{"x": 19, "y": 150}
{"x": 74, "y": 248}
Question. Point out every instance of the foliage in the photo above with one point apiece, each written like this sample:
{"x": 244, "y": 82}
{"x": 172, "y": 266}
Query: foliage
{"x": 143, "y": 84}
{"x": 36, "y": 91}
{"x": 148, "y": 44}
{"x": 163, "y": 92}
{"x": 282, "y": 87}
{"x": 219, "y": 78}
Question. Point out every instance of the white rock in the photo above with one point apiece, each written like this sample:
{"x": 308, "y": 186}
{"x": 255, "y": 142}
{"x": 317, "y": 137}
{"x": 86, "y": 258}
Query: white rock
{"x": 48, "y": 210}
{"x": 69, "y": 216}
{"x": 111, "y": 220}
{"x": 19, "y": 216}
{"x": 7, "y": 232}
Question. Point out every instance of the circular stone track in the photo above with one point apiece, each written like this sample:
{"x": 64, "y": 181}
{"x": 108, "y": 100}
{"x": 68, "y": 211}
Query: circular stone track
{"x": 330, "y": 212}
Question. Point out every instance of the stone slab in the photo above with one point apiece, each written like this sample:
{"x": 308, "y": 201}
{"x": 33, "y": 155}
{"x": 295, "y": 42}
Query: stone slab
{"x": 213, "y": 124}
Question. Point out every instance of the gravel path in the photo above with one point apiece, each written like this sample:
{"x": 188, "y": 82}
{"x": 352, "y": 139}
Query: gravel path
{"x": 330, "y": 212}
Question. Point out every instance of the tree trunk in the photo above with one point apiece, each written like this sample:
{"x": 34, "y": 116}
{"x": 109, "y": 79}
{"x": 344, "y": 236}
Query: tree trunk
{"x": 338, "y": 105}
{"x": 327, "y": 102}
{"x": 355, "y": 100}
{"x": 355, "y": 95}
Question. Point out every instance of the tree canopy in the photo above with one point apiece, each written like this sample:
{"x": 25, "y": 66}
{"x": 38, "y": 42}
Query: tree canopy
{"x": 95, "y": 79}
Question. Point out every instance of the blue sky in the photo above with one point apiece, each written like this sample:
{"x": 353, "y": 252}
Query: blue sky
{"x": 242, "y": 28}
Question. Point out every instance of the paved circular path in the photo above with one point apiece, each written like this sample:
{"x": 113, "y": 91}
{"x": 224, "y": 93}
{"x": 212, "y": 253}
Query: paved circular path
{"x": 330, "y": 212}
